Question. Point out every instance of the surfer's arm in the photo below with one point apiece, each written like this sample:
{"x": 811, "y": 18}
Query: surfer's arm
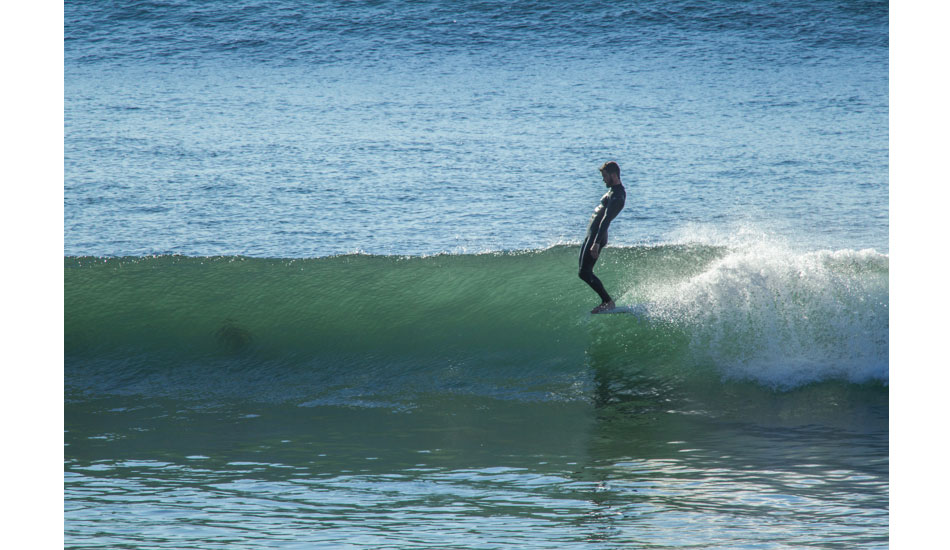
{"x": 613, "y": 208}
{"x": 595, "y": 245}
{"x": 594, "y": 250}
{"x": 601, "y": 231}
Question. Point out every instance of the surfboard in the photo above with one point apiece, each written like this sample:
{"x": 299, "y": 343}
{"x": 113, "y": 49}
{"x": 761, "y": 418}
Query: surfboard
{"x": 638, "y": 310}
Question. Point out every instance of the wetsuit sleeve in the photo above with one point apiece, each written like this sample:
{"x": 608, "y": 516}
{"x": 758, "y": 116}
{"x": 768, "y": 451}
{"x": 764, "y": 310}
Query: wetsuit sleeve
{"x": 614, "y": 206}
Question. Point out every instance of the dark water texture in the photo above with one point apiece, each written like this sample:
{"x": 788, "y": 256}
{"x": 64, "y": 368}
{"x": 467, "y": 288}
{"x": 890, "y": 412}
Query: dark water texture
{"x": 369, "y": 32}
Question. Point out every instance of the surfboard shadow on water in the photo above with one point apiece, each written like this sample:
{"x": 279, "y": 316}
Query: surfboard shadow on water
{"x": 233, "y": 338}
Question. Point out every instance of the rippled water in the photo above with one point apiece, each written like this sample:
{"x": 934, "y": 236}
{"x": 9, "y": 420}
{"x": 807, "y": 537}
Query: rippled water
{"x": 479, "y": 474}
{"x": 281, "y": 130}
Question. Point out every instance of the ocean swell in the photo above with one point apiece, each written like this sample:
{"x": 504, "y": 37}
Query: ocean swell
{"x": 512, "y": 324}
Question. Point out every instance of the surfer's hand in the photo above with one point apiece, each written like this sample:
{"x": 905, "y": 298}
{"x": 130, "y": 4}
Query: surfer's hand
{"x": 594, "y": 250}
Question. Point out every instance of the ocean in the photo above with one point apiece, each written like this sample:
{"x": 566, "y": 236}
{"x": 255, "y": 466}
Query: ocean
{"x": 320, "y": 275}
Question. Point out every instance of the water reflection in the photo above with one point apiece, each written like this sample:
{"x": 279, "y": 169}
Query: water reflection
{"x": 651, "y": 458}
{"x": 690, "y": 458}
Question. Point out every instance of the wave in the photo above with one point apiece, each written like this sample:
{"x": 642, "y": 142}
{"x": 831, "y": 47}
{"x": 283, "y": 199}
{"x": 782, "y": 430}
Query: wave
{"x": 362, "y": 329}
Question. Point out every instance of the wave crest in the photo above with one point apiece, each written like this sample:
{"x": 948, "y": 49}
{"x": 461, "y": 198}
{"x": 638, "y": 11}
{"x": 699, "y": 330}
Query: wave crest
{"x": 765, "y": 313}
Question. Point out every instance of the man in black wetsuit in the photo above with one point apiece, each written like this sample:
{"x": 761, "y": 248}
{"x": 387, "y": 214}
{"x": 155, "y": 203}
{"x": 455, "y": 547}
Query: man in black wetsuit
{"x": 610, "y": 205}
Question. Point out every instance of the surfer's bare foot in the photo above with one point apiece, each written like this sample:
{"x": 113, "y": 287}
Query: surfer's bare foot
{"x": 605, "y": 306}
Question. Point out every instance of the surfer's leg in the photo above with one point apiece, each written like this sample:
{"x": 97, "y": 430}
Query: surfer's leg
{"x": 586, "y": 273}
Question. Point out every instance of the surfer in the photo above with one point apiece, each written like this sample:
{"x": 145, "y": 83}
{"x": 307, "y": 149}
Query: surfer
{"x": 610, "y": 205}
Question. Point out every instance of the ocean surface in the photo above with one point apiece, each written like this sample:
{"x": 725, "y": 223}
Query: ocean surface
{"x": 320, "y": 282}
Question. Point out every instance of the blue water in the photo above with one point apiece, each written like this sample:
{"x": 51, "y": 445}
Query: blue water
{"x": 283, "y": 130}
{"x": 363, "y": 326}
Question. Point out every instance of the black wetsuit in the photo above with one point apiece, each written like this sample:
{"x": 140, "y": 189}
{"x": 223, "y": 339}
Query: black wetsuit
{"x": 610, "y": 205}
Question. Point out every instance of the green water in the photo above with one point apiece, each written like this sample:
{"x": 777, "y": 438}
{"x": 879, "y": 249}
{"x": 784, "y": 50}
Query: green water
{"x": 635, "y": 466}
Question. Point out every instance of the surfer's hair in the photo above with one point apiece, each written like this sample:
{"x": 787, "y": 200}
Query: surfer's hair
{"x": 611, "y": 167}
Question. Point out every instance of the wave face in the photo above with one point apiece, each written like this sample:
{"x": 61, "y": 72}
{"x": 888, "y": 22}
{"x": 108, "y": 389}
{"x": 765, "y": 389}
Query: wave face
{"x": 373, "y": 330}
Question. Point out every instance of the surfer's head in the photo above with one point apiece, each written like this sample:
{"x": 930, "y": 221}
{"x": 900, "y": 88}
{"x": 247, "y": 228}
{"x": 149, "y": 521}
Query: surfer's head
{"x": 610, "y": 171}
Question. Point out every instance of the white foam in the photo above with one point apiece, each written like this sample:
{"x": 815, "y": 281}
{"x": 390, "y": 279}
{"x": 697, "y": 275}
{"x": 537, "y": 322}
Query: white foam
{"x": 780, "y": 317}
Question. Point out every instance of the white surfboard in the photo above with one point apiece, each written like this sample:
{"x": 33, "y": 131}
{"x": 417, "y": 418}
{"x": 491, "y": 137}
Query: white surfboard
{"x": 638, "y": 310}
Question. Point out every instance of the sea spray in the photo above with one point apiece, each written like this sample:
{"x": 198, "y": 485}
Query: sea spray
{"x": 783, "y": 318}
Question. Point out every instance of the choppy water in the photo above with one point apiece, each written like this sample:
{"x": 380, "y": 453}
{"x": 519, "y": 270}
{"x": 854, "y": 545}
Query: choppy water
{"x": 259, "y": 385}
